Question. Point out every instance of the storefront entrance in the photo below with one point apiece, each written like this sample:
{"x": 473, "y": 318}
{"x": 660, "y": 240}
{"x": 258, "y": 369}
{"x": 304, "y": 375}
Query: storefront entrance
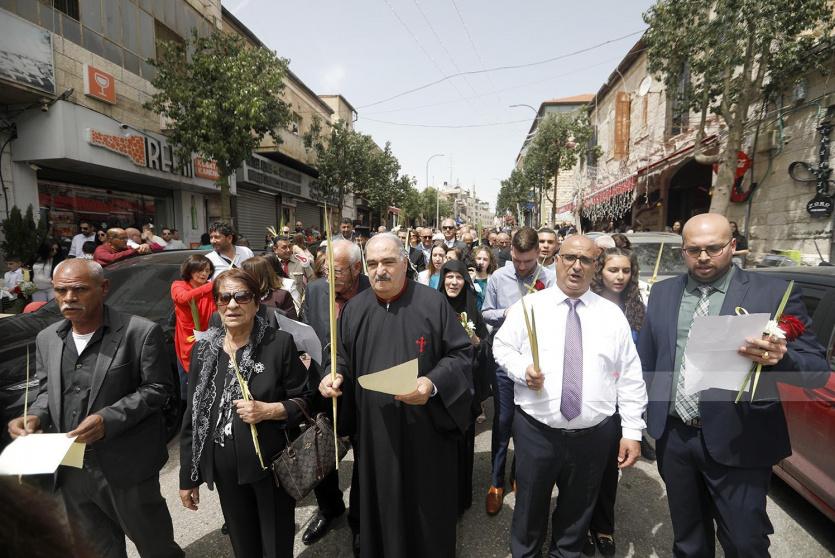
{"x": 689, "y": 192}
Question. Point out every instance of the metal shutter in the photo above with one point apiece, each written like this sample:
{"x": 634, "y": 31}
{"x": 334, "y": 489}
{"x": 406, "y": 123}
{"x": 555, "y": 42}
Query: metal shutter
{"x": 256, "y": 212}
{"x": 309, "y": 214}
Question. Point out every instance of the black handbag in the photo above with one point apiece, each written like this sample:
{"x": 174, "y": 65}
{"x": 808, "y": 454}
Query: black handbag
{"x": 308, "y": 459}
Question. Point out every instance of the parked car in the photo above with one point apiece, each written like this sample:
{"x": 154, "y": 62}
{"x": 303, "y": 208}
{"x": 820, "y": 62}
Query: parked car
{"x": 139, "y": 285}
{"x": 810, "y": 413}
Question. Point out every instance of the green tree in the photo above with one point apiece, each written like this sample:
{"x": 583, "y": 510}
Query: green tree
{"x": 383, "y": 187}
{"x": 410, "y": 204}
{"x": 514, "y": 191}
{"x": 722, "y": 55}
{"x": 223, "y": 97}
{"x": 22, "y": 237}
{"x": 429, "y": 203}
{"x": 344, "y": 158}
{"x": 561, "y": 141}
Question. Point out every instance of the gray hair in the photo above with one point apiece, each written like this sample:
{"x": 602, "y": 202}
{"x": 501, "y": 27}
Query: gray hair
{"x": 343, "y": 244}
{"x": 94, "y": 268}
{"x": 388, "y": 237}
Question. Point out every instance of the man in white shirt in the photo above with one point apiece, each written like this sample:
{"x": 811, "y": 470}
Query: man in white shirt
{"x": 171, "y": 237}
{"x": 87, "y": 233}
{"x": 225, "y": 254}
{"x": 563, "y": 428}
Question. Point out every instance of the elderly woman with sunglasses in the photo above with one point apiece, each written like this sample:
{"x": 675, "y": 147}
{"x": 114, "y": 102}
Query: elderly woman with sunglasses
{"x": 217, "y": 444}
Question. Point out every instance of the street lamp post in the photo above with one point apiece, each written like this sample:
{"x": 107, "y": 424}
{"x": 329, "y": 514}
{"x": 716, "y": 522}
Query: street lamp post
{"x": 437, "y": 202}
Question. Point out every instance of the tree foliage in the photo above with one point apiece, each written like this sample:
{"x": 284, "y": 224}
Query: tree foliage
{"x": 561, "y": 141}
{"x": 722, "y": 55}
{"x": 345, "y": 160}
{"x": 223, "y": 96}
{"x": 22, "y": 237}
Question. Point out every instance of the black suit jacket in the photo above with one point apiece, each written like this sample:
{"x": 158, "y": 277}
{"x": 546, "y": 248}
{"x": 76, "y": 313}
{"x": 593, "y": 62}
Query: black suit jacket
{"x": 131, "y": 383}
{"x": 316, "y": 314}
{"x": 747, "y": 434}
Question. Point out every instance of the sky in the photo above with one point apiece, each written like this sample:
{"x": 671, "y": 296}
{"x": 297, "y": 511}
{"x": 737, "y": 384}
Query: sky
{"x": 371, "y": 50}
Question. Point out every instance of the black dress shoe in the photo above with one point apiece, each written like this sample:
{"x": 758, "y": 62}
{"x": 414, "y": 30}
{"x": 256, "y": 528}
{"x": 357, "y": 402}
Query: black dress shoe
{"x": 606, "y": 545}
{"x": 224, "y": 530}
{"x": 588, "y": 545}
{"x": 356, "y": 544}
{"x": 646, "y": 450}
{"x": 317, "y": 529}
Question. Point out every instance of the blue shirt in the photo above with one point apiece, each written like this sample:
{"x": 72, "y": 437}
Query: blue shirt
{"x": 505, "y": 288}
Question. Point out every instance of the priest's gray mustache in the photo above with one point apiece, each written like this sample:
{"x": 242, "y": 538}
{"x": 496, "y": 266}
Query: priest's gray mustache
{"x": 71, "y": 307}
{"x": 379, "y": 278}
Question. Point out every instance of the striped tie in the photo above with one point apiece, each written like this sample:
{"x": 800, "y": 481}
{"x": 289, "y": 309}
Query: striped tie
{"x": 687, "y": 406}
{"x": 572, "y": 364}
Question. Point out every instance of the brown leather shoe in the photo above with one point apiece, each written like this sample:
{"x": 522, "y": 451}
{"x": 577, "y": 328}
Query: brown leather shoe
{"x": 493, "y": 504}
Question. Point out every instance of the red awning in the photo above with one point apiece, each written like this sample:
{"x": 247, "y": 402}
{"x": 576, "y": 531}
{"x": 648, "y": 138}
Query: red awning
{"x": 609, "y": 191}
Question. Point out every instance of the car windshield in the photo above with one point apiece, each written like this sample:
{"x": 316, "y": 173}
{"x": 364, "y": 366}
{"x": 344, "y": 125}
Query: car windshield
{"x": 143, "y": 290}
{"x": 672, "y": 262}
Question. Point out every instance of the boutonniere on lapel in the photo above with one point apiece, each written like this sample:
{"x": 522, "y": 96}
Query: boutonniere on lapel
{"x": 786, "y": 327}
{"x": 536, "y": 284}
{"x": 539, "y": 285}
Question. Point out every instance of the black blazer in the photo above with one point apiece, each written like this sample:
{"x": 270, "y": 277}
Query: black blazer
{"x": 132, "y": 382}
{"x": 316, "y": 314}
{"x": 284, "y": 377}
{"x": 748, "y": 434}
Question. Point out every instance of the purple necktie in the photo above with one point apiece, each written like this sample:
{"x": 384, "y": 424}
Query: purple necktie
{"x": 572, "y": 364}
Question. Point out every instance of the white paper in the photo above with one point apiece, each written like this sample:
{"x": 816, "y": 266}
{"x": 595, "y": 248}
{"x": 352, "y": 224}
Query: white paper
{"x": 38, "y": 454}
{"x": 711, "y": 359}
{"x": 397, "y": 380}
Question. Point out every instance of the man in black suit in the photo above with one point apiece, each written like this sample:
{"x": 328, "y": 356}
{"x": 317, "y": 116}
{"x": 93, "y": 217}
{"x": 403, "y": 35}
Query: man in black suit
{"x": 104, "y": 379}
{"x": 347, "y": 261}
{"x": 448, "y": 228}
{"x": 714, "y": 455}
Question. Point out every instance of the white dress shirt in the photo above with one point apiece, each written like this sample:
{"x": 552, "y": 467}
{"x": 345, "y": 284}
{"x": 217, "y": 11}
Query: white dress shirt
{"x": 221, "y": 263}
{"x": 612, "y": 375}
{"x": 78, "y": 242}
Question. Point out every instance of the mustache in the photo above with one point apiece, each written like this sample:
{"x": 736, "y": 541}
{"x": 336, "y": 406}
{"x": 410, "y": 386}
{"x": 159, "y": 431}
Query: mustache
{"x": 65, "y": 307}
{"x": 380, "y": 278}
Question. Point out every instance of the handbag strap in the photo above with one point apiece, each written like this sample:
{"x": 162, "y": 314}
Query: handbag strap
{"x": 302, "y": 405}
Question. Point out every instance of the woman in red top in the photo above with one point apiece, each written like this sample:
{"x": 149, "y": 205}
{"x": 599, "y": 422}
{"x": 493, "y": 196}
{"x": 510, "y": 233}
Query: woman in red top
{"x": 194, "y": 286}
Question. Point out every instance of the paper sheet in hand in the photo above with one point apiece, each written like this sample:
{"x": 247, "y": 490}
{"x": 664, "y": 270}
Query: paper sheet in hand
{"x": 304, "y": 336}
{"x": 38, "y": 454}
{"x": 711, "y": 357}
{"x": 397, "y": 380}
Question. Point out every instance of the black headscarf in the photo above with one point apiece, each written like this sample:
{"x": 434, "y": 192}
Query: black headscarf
{"x": 466, "y": 299}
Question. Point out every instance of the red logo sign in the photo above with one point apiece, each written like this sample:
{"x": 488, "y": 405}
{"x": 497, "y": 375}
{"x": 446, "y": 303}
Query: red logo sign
{"x": 99, "y": 84}
{"x": 205, "y": 169}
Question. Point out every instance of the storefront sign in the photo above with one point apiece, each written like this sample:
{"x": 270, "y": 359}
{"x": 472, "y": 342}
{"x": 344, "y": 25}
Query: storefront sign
{"x": 820, "y": 206}
{"x": 158, "y": 155}
{"x": 99, "y": 84}
{"x": 206, "y": 169}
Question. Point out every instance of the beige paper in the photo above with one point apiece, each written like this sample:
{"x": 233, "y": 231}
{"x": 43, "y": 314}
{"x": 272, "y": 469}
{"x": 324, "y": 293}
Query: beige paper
{"x": 397, "y": 380}
{"x": 38, "y": 454}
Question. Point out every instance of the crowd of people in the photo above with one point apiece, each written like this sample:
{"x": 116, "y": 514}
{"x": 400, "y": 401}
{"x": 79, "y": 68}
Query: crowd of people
{"x": 575, "y": 391}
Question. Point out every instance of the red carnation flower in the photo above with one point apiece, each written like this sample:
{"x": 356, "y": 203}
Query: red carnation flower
{"x": 791, "y": 326}
{"x": 539, "y": 285}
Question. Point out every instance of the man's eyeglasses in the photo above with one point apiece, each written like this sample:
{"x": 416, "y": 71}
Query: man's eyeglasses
{"x": 447, "y": 228}
{"x": 571, "y": 259}
{"x": 712, "y": 250}
{"x": 241, "y": 297}
{"x": 429, "y": 236}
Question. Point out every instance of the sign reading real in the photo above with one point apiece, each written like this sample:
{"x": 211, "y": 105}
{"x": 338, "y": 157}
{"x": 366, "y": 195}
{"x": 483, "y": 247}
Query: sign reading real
{"x": 158, "y": 155}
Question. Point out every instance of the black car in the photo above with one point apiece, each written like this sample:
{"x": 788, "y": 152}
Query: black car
{"x": 140, "y": 286}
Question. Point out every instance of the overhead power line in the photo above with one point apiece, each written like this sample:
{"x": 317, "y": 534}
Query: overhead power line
{"x": 501, "y": 68}
{"x": 450, "y": 126}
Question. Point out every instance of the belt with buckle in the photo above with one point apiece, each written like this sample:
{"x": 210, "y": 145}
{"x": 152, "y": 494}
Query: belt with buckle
{"x": 694, "y": 422}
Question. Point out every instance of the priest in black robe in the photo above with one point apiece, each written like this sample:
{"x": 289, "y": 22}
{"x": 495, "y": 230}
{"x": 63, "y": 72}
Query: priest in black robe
{"x": 407, "y": 451}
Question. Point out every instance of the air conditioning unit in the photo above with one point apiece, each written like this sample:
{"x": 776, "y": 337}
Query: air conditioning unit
{"x": 769, "y": 141}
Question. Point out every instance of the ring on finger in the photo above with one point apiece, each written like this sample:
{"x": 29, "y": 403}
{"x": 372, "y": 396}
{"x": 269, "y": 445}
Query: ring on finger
{"x": 765, "y": 355}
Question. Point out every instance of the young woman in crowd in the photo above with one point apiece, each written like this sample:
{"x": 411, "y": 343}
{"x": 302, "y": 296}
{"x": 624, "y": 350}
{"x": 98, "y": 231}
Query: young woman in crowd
{"x": 431, "y": 275}
{"x": 458, "y": 288}
{"x": 485, "y": 265}
{"x": 271, "y": 294}
{"x": 616, "y": 280}
{"x": 193, "y": 287}
{"x": 49, "y": 255}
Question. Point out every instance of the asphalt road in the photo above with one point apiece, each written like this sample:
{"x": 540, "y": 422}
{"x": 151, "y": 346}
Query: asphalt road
{"x": 642, "y": 519}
